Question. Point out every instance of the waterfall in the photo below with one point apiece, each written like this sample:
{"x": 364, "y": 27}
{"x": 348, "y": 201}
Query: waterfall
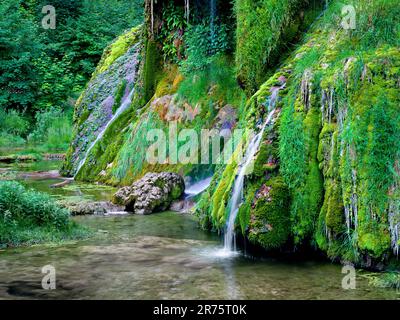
{"x": 124, "y": 105}
{"x": 213, "y": 14}
{"x": 237, "y": 194}
{"x": 197, "y": 188}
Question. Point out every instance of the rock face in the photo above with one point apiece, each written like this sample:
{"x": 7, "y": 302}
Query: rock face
{"x": 154, "y": 192}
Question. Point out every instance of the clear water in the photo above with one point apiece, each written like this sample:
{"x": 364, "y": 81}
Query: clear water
{"x": 73, "y": 191}
{"x": 164, "y": 256}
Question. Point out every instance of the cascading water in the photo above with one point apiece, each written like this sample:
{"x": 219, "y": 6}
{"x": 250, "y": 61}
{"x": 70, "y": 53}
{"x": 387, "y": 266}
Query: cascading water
{"x": 124, "y": 105}
{"x": 237, "y": 194}
{"x": 197, "y": 188}
{"x": 213, "y": 14}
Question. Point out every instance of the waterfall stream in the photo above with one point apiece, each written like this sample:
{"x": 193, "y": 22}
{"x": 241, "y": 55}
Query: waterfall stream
{"x": 124, "y": 105}
{"x": 237, "y": 193}
{"x": 197, "y": 188}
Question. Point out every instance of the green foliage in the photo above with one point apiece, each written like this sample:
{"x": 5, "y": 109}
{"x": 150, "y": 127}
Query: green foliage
{"x": 53, "y": 130}
{"x": 42, "y": 68}
{"x": 25, "y": 213}
{"x": 13, "y": 128}
{"x": 19, "y": 47}
{"x": 171, "y": 35}
{"x": 151, "y": 70}
{"x": 262, "y": 26}
{"x": 385, "y": 280}
{"x": 216, "y": 83}
{"x": 202, "y": 42}
{"x": 13, "y": 122}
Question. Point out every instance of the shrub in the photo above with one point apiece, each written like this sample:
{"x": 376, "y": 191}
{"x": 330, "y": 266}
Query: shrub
{"x": 13, "y": 122}
{"x": 30, "y": 207}
{"x": 53, "y": 129}
{"x": 28, "y": 216}
{"x": 202, "y": 42}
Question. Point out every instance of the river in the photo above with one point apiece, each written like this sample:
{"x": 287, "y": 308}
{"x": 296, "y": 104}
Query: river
{"x": 161, "y": 256}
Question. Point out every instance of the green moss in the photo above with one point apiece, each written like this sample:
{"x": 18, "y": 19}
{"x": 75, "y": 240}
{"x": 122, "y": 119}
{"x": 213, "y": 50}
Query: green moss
{"x": 151, "y": 70}
{"x": 269, "y": 224}
{"x": 118, "y": 48}
{"x": 262, "y": 28}
{"x": 119, "y": 94}
{"x": 334, "y": 208}
{"x": 222, "y": 196}
{"x": 307, "y": 189}
{"x": 84, "y": 116}
{"x": 374, "y": 239}
{"x": 104, "y": 153}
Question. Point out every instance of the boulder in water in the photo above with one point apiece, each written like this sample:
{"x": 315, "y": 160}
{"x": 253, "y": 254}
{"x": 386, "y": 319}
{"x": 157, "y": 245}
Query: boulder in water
{"x": 154, "y": 192}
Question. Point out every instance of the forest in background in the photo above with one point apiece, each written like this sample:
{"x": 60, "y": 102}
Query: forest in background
{"x": 43, "y": 71}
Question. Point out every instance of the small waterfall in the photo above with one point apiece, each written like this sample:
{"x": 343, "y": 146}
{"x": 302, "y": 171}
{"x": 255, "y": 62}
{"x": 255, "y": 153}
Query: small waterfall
{"x": 237, "y": 194}
{"x": 213, "y": 13}
{"x": 124, "y": 105}
{"x": 197, "y": 188}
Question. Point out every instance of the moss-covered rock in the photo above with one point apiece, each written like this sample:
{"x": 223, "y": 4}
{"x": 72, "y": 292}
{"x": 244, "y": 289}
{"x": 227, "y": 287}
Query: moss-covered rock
{"x": 269, "y": 218}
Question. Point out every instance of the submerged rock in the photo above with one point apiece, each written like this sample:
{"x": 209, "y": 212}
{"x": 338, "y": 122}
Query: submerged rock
{"x": 154, "y": 192}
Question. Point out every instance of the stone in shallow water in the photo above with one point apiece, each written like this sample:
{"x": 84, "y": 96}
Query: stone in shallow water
{"x": 89, "y": 207}
{"x": 153, "y": 193}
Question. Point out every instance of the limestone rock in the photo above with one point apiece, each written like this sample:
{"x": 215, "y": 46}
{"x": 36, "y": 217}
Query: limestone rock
{"x": 90, "y": 207}
{"x": 154, "y": 192}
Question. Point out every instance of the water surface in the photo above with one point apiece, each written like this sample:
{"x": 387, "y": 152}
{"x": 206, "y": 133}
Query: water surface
{"x": 161, "y": 256}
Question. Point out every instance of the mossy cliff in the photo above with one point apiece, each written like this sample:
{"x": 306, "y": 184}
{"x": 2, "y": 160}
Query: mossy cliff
{"x": 326, "y": 175}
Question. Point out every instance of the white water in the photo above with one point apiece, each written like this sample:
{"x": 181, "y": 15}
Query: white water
{"x": 124, "y": 105}
{"x": 237, "y": 194}
{"x": 198, "y": 188}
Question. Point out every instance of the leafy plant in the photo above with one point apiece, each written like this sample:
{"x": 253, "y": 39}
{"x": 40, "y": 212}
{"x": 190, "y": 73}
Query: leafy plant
{"x": 202, "y": 42}
{"x": 172, "y": 31}
{"x": 30, "y": 216}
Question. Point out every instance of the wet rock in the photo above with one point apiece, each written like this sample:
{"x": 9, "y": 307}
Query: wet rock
{"x": 154, "y": 192}
{"x": 90, "y": 208}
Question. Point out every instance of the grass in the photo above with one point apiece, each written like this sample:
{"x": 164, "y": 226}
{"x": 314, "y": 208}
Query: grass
{"x": 29, "y": 217}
